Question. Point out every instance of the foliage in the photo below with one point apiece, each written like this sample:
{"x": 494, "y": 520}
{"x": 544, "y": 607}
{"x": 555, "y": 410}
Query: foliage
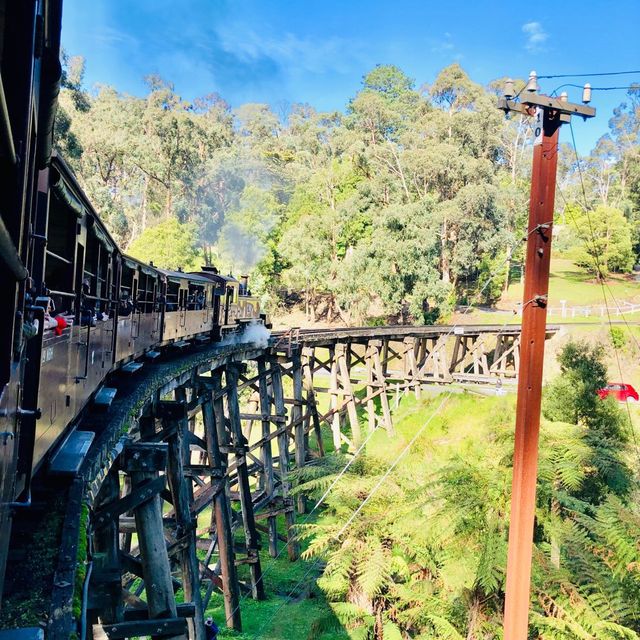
{"x": 407, "y": 203}
{"x": 169, "y": 245}
{"x": 426, "y": 556}
{"x": 602, "y": 240}
{"x": 573, "y": 397}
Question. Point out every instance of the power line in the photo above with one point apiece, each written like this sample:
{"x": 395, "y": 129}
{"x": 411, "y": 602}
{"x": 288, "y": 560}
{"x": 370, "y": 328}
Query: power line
{"x": 452, "y": 329}
{"x": 635, "y": 86}
{"x": 355, "y": 514}
{"x": 602, "y": 283}
{"x": 590, "y": 75}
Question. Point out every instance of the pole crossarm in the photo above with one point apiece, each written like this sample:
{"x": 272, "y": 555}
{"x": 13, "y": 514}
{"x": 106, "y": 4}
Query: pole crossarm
{"x": 529, "y": 103}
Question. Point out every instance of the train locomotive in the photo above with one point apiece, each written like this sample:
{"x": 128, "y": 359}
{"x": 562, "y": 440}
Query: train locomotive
{"x": 76, "y": 307}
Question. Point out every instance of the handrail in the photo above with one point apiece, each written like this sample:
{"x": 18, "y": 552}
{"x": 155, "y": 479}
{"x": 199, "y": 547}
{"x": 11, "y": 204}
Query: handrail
{"x": 10, "y": 256}
{"x": 5, "y": 124}
{"x": 86, "y": 355}
{"x": 65, "y": 294}
{"x": 58, "y": 257}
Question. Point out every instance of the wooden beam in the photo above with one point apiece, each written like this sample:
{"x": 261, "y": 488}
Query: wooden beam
{"x": 246, "y": 504}
{"x": 297, "y": 420}
{"x": 106, "y": 548}
{"x": 267, "y": 454}
{"x": 153, "y": 551}
{"x": 173, "y": 627}
{"x": 293, "y": 547}
{"x": 222, "y": 517}
{"x": 185, "y": 527}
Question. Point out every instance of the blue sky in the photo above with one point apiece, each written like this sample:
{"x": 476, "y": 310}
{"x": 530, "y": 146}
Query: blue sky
{"x": 281, "y": 52}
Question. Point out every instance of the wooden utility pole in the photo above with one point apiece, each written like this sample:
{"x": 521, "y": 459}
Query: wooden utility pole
{"x": 550, "y": 113}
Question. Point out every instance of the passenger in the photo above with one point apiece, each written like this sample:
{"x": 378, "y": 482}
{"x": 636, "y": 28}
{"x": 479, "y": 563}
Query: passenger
{"x": 87, "y": 310}
{"x": 200, "y": 301}
{"x": 126, "y": 306}
{"x": 211, "y": 629}
{"x": 57, "y": 322}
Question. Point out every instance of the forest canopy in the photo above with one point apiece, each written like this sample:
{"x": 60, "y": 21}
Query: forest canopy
{"x": 408, "y": 202}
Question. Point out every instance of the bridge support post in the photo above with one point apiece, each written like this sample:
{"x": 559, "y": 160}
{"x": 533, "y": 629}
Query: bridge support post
{"x": 174, "y": 421}
{"x": 308, "y": 358}
{"x": 374, "y": 353}
{"x": 412, "y": 375}
{"x": 301, "y": 437}
{"x": 267, "y": 455}
{"x": 283, "y": 459}
{"x": 106, "y": 546}
{"x": 144, "y": 462}
{"x": 341, "y": 353}
{"x": 246, "y": 502}
{"x": 334, "y": 402}
{"x": 221, "y": 506}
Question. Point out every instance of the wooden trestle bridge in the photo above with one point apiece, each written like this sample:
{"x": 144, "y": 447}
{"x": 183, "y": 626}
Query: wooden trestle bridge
{"x": 200, "y": 445}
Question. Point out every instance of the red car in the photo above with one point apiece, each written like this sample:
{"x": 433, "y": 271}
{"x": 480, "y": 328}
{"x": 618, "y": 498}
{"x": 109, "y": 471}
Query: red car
{"x": 620, "y": 391}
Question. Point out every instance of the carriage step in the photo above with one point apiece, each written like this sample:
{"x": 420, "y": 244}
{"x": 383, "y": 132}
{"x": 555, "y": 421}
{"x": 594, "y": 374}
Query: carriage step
{"x": 202, "y": 338}
{"x": 181, "y": 344}
{"x": 68, "y": 459}
{"x": 152, "y": 355}
{"x": 132, "y": 367}
{"x": 26, "y": 633}
{"x": 105, "y": 397}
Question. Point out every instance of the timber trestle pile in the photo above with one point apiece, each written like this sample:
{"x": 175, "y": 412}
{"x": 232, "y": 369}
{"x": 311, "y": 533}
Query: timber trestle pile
{"x": 198, "y": 448}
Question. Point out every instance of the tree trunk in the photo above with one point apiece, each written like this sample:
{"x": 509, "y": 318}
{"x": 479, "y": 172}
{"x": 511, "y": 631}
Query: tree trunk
{"x": 474, "y": 610}
{"x": 143, "y": 204}
{"x": 509, "y": 253}
{"x": 378, "y": 629}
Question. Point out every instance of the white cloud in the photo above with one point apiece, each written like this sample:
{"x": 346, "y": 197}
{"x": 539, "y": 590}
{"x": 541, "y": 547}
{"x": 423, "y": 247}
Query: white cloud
{"x": 536, "y": 36}
{"x": 444, "y": 46}
{"x": 295, "y": 54}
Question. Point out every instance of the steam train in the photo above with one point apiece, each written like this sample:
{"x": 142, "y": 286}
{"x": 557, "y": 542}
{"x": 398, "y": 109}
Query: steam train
{"x": 76, "y": 308}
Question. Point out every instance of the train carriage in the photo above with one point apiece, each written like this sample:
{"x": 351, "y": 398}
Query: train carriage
{"x": 78, "y": 296}
{"x": 30, "y": 75}
{"x": 139, "y": 309}
{"x": 189, "y": 305}
{"x": 77, "y": 308}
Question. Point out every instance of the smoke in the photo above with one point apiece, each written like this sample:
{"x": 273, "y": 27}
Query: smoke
{"x": 242, "y": 247}
{"x": 253, "y": 333}
{"x": 237, "y": 208}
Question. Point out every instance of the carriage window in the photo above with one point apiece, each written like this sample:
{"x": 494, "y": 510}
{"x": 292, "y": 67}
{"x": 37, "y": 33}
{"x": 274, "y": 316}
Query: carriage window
{"x": 95, "y": 287}
{"x": 146, "y": 292}
{"x": 61, "y": 255}
{"x": 197, "y": 297}
{"x": 173, "y": 289}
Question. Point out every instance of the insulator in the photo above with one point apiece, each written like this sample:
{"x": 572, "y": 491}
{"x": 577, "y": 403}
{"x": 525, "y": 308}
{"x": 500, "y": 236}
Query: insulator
{"x": 509, "y": 91}
{"x": 532, "y": 85}
{"x": 586, "y": 94}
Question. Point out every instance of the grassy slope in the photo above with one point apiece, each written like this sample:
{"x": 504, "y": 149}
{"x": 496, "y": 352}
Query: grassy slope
{"x": 575, "y": 286}
{"x": 306, "y": 614}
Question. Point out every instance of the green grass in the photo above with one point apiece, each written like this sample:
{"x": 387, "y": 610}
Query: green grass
{"x": 295, "y": 608}
{"x": 572, "y": 284}
{"x": 576, "y": 286}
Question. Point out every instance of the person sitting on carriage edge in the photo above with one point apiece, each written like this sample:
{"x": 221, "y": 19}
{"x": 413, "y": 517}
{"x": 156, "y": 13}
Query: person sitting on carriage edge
{"x": 126, "y": 306}
{"x": 86, "y": 306}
